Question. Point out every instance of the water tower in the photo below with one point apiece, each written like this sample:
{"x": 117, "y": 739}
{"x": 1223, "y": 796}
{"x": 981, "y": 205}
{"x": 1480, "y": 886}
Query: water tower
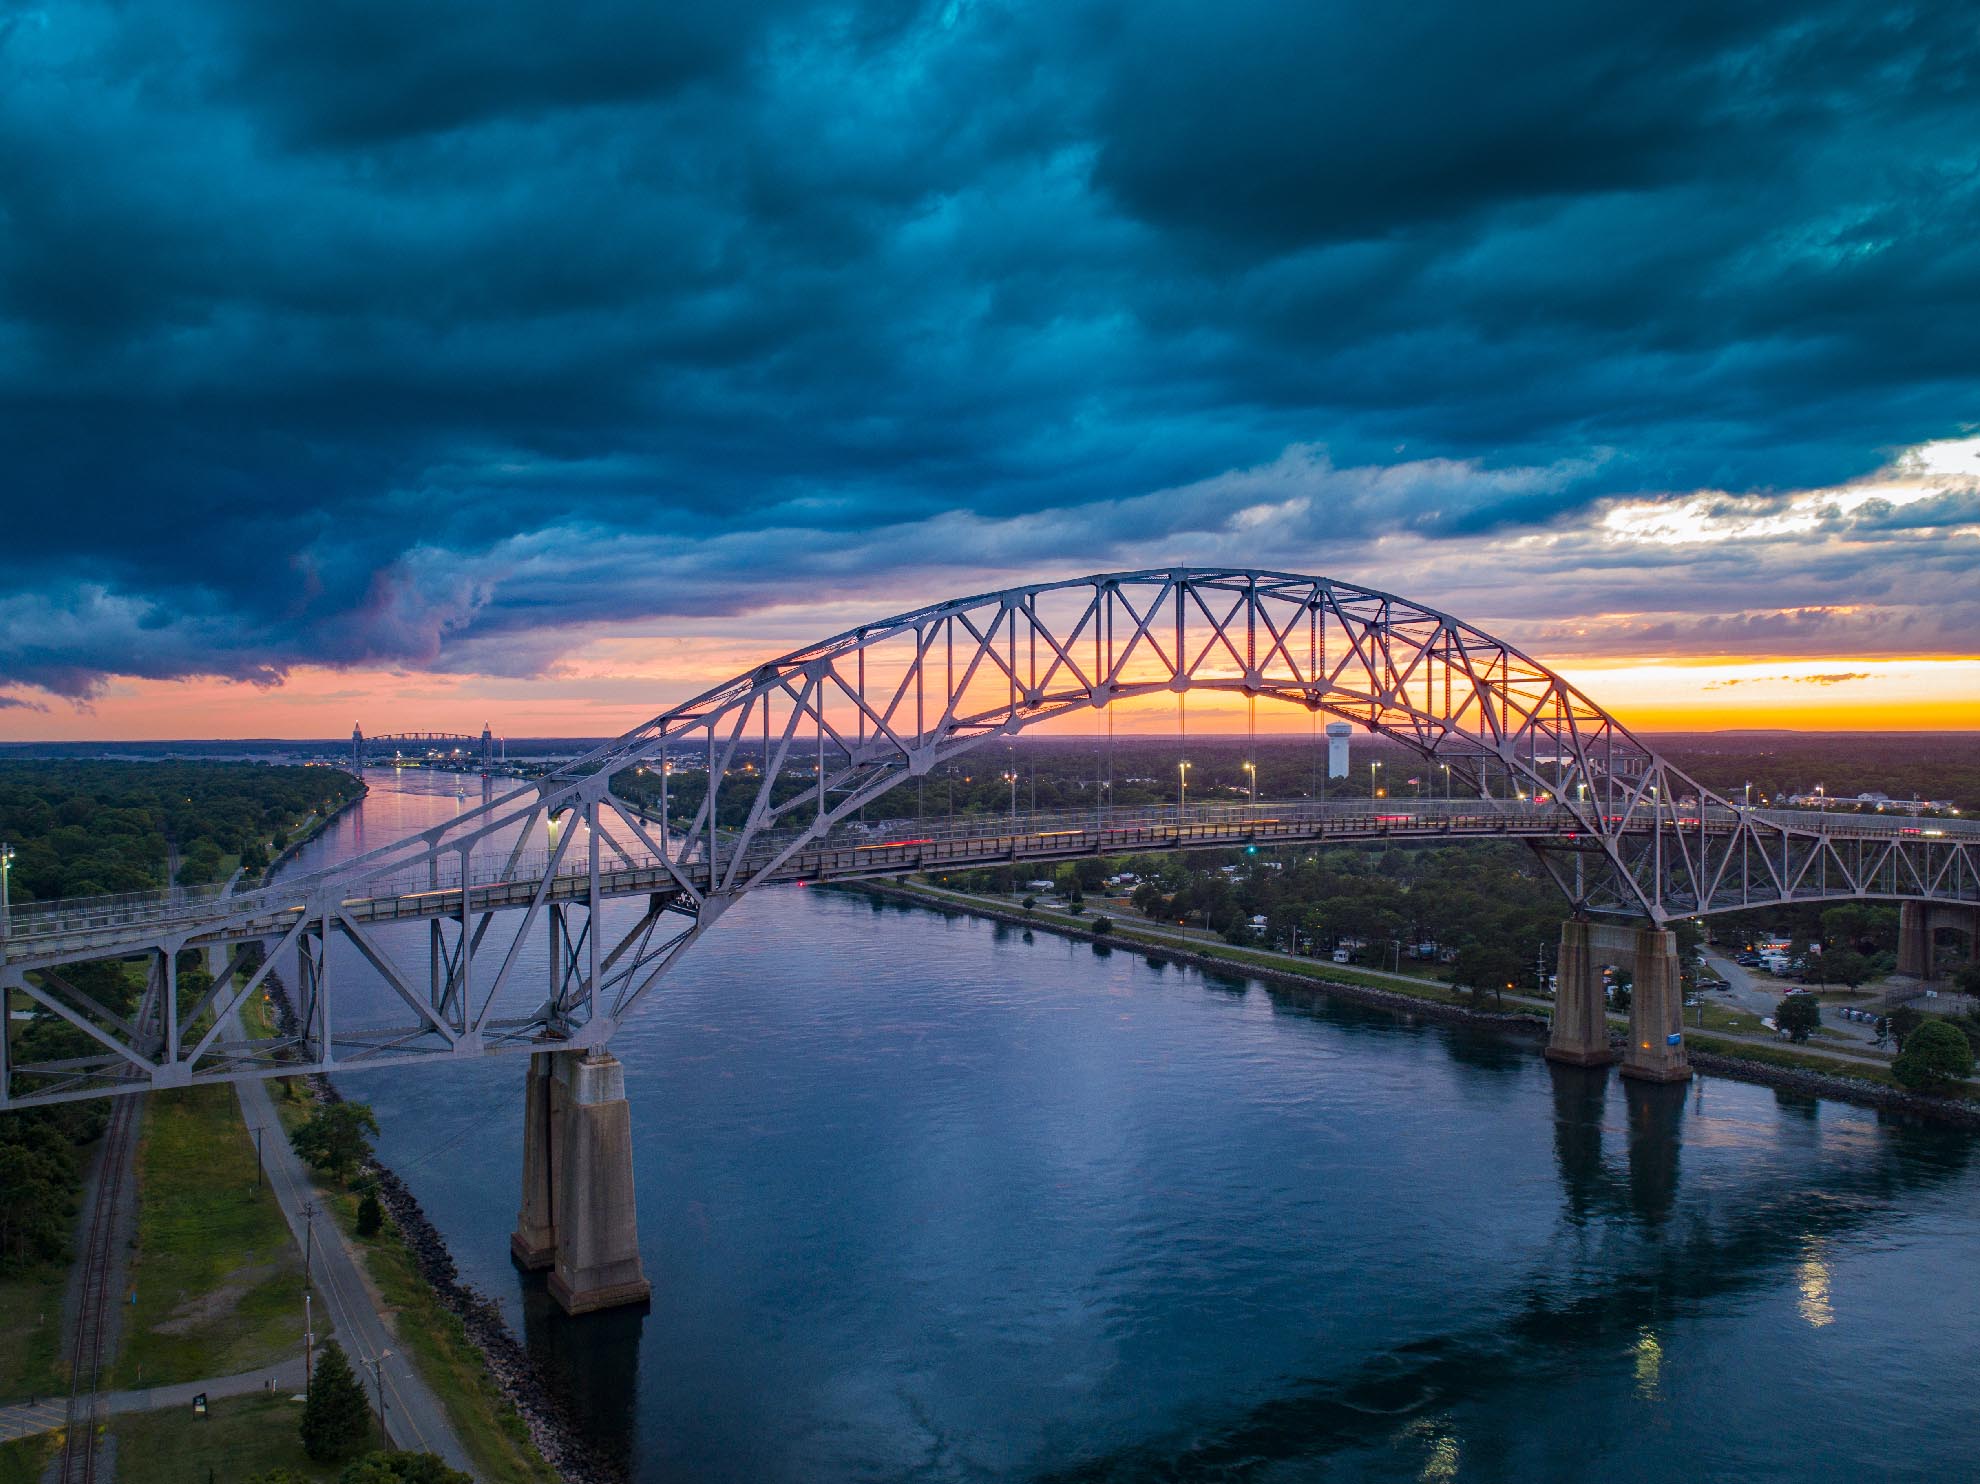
{"x": 1338, "y": 733}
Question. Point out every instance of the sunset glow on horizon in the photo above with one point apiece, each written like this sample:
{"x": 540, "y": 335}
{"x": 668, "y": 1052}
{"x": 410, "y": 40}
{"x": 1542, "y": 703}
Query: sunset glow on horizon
{"x": 1883, "y": 695}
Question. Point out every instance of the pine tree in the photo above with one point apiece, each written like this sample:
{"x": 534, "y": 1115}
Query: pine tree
{"x": 336, "y": 1421}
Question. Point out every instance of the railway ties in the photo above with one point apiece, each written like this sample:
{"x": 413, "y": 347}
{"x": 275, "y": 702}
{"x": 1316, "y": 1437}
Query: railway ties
{"x": 80, "y": 1448}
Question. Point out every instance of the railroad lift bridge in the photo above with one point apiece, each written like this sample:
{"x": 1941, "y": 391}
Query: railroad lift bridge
{"x": 549, "y": 913}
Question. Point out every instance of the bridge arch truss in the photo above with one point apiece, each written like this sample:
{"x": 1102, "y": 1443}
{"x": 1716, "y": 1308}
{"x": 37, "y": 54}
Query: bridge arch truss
{"x": 791, "y": 752}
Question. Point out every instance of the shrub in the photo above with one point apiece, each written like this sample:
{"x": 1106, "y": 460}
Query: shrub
{"x": 1798, "y": 1015}
{"x": 369, "y": 1216}
{"x": 332, "y": 1139}
{"x": 1936, "y": 1057}
{"x": 1103, "y": 924}
{"x": 401, "y": 1468}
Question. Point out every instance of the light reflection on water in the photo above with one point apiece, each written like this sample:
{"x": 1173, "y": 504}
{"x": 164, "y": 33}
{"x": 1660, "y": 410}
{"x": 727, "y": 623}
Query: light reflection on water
{"x": 925, "y": 1197}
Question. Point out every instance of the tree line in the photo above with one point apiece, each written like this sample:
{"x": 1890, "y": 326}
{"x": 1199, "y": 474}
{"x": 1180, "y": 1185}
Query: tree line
{"x": 90, "y": 827}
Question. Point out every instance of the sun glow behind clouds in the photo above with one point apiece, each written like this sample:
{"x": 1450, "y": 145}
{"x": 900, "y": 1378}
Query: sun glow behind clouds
{"x": 1847, "y": 607}
{"x": 1923, "y": 473}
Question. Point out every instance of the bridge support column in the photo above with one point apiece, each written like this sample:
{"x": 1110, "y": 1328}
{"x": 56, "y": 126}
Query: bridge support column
{"x": 534, "y": 1243}
{"x": 1915, "y": 956}
{"x": 1656, "y": 1012}
{"x": 577, "y": 1217}
{"x": 1580, "y": 1035}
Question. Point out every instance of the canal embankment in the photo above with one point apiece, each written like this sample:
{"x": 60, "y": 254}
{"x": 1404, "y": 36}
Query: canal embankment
{"x": 316, "y": 826}
{"x": 1809, "y": 1072}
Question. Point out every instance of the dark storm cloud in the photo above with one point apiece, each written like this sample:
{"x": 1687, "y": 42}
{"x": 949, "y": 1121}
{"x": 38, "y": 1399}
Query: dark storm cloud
{"x": 427, "y": 335}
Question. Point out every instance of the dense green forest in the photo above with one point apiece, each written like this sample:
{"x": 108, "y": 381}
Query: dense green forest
{"x": 80, "y": 828}
{"x": 83, "y": 828}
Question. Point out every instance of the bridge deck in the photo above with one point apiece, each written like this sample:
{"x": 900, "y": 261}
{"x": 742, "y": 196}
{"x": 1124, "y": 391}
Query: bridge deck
{"x": 54, "y": 931}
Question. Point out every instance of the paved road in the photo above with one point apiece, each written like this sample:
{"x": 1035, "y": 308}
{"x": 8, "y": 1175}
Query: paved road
{"x": 23, "y": 1420}
{"x": 1760, "y": 993}
{"x": 413, "y": 1415}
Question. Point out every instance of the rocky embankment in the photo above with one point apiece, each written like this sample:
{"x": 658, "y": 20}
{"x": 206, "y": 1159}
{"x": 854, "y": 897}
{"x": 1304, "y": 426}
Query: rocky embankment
{"x": 1956, "y": 1111}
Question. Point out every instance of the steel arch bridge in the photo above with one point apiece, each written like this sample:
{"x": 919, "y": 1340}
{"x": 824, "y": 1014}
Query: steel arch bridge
{"x": 801, "y": 744}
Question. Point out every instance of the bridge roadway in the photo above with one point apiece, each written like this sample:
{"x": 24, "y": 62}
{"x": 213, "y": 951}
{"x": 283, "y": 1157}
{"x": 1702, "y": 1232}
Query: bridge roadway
{"x": 53, "y": 932}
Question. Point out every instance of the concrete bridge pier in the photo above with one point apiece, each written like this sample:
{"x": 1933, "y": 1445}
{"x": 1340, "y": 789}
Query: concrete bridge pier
{"x": 577, "y": 1216}
{"x": 1920, "y": 922}
{"x": 1580, "y": 1034}
{"x": 1656, "y": 1050}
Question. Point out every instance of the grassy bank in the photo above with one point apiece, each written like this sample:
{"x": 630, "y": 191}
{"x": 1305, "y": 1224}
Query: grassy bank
{"x": 31, "y": 1324}
{"x": 23, "y": 1459}
{"x": 238, "y": 1437}
{"x": 216, "y": 1273}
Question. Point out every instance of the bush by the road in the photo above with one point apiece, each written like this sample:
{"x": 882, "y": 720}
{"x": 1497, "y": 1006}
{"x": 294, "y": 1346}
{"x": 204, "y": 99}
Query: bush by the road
{"x": 1935, "y": 1058}
{"x": 401, "y": 1468}
{"x": 1798, "y": 1015}
{"x": 333, "y": 1140}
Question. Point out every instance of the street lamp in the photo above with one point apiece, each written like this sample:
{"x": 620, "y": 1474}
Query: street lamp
{"x": 1252, "y": 769}
{"x": 1182, "y": 787}
{"x": 1371, "y": 778}
{"x": 6, "y": 906}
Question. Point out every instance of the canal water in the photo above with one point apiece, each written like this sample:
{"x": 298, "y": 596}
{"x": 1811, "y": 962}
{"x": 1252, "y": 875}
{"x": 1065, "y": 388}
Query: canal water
{"x": 923, "y": 1198}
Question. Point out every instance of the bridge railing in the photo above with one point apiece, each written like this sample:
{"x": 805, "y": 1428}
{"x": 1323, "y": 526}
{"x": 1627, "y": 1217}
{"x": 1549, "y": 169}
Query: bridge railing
{"x": 1857, "y": 826}
{"x": 190, "y": 905}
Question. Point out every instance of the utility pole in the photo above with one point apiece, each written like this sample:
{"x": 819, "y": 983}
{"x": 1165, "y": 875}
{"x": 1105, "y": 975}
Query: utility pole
{"x": 309, "y": 1343}
{"x": 257, "y": 1156}
{"x": 309, "y": 1245}
{"x": 377, "y": 1365}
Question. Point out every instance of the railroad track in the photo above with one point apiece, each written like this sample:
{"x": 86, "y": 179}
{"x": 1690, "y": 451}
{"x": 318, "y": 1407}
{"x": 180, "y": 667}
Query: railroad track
{"x": 79, "y": 1443}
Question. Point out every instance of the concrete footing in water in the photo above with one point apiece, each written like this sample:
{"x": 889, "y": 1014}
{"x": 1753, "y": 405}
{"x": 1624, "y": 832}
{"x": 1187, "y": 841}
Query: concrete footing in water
{"x": 1580, "y": 1033}
{"x": 577, "y": 1216}
{"x": 1656, "y": 1051}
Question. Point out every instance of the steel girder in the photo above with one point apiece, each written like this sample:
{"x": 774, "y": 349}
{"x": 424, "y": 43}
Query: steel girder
{"x": 801, "y": 744}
